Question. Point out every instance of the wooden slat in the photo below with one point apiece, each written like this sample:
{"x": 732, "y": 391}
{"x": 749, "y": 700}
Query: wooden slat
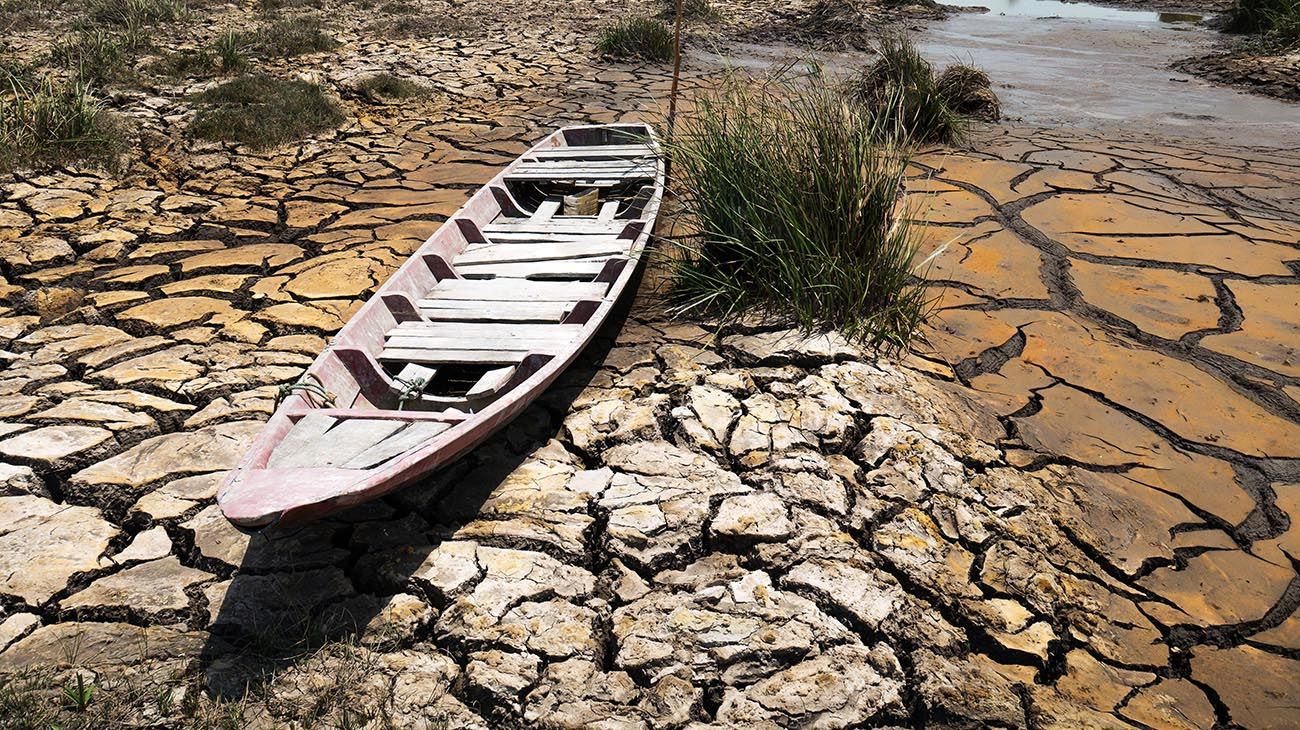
{"x": 339, "y": 444}
{"x": 545, "y": 236}
{"x": 413, "y": 373}
{"x": 544, "y": 211}
{"x": 415, "y": 435}
{"x": 509, "y": 290}
{"x": 607, "y": 177}
{"x": 522, "y": 314}
{"x": 442, "y": 357}
{"x": 453, "y": 344}
{"x": 530, "y": 331}
{"x": 582, "y": 165}
{"x": 558, "y": 225}
{"x": 594, "y": 152}
{"x": 537, "y": 270}
{"x": 306, "y": 432}
{"x": 522, "y": 253}
{"x": 608, "y": 211}
{"x": 491, "y": 382}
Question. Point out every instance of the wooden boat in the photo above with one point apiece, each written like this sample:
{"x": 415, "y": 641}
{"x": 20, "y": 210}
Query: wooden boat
{"x": 481, "y": 319}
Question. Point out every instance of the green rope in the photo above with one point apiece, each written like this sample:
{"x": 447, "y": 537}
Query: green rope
{"x": 411, "y": 390}
{"x": 302, "y": 385}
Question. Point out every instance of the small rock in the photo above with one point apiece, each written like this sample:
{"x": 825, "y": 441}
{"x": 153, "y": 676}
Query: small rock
{"x": 760, "y": 517}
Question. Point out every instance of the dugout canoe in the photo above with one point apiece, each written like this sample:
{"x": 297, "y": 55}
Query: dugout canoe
{"x": 469, "y": 331}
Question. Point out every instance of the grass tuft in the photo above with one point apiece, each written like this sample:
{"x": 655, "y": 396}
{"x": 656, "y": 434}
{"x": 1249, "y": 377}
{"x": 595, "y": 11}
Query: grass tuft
{"x": 637, "y": 37}
{"x": 383, "y": 87}
{"x": 902, "y": 87}
{"x": 127, "y": 13}
{"x": 1276, "y": 21}
{"x": 262, "y": 111}
{"x": 796, "y": 198}
{"x": 691, "y": 9}
{"x": 46, "y": 122}
{"x": 968, "y": 91}
{"x": 98, "y": 55}
{"x": 292, "y": 37}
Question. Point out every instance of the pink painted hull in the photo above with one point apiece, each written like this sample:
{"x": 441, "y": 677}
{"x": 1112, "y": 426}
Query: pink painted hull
{"x": 256, "y": 497}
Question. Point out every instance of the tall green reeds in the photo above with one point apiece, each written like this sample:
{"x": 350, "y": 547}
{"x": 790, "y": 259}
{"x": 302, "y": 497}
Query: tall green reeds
{"x": 44, "y": 121}
{"x": 929, "y": 107}
{"x": 796, "y": 197}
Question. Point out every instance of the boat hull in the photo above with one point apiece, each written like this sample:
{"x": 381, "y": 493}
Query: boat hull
{"x": 282, "y": 481}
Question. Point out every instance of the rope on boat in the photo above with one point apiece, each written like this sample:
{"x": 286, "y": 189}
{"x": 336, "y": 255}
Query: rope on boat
{"x": 316, "y": 389}
{"x": 411, "y": 389}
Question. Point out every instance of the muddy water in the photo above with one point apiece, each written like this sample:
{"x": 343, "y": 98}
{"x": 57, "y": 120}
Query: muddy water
{"x": 1106, "y": 72}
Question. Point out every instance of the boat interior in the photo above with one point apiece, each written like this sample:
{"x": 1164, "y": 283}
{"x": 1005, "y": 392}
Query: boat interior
{"x": 508, "y": 283}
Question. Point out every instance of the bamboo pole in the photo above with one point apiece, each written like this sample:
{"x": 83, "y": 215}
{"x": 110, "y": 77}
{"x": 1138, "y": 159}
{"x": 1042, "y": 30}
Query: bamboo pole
{"x": 672, "y": 91}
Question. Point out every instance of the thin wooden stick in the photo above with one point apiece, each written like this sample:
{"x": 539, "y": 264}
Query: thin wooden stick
{"x": 672, "y": 92}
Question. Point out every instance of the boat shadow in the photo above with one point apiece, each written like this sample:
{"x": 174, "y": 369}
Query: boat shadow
{"x": 327, "y": 582}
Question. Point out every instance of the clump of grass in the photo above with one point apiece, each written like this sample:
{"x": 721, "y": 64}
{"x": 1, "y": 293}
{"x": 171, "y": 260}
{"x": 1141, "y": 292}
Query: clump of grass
{"x": 46, "y": 121}
{"x": 293, "y": 37}
{"x": 902, "y": 87}
{"x": 382, "y": 87}
{"x": 262, "y": 111}
{"x": 968, "y": 91}
{"x": 691, "y": 9}
{"x": 796, "y": 197}
{"x": 1276, "y": 21}
{"x": 443, "y": 25}
{"x": 230, "y": 49}
{"x": 135, "y": 12}
{"x": 637, "y": 37}
{"x": 97, "y": 54}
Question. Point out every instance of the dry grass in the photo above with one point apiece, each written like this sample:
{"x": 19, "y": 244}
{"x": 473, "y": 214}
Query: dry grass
{"x": 637, "y": 38}
{"x": 903, "y": 88}
{"x": 46, "y": 122}
{"x": 796, "y": 197}
{"x": 263, "y": 111}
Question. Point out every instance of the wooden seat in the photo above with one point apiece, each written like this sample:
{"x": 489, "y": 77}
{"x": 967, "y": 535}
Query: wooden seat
{"x": 592, "y": 152}
{"x": 318, "y": 440}
{"x": 570, "y": 269}
{"x": 431, "y": 343}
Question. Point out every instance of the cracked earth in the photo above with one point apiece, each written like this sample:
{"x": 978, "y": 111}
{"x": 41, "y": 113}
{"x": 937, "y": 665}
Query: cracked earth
{"x": 1070, "y": 507}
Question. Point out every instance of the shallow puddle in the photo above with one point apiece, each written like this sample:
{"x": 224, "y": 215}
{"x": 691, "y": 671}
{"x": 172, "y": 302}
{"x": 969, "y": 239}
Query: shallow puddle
{"x": 1085, "y": 11}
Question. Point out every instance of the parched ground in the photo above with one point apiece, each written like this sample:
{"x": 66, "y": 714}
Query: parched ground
{"x": 1070, "y": 508}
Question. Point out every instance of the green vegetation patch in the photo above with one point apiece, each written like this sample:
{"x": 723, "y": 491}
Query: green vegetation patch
{"x": 263, "y": 111}
{"x": 1277, "y": 22}
{"x": 128, "y": 13}
{"x": 796, "y": 197}
{"x": 383, "y": 87}
{"x": 292, "y": 37}
{"x": 901, "y": 87}
{"x": 637, "y": 37}
{"x": 45, "y": 122}
{"x": 691, "y": 9}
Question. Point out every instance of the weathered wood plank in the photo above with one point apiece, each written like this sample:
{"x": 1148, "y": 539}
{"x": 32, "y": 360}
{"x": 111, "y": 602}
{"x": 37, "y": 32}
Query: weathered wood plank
{"x": 514, "y": 315}
{"x": 522, "y": 253}
{"x": 443, "y": 357}
{"x": 491, "y": 382}
{"x": 307, "y": 431}
{"x": 608, "y": 211}
{"x": 537, "y": 270}
{"x": 415, "y": 435}
{"x": 454, "y": 344}
{"x": 612, "y": 151}
{"x": 510, "y": 290}
{"x": 344, "y": 440}
{"x": 545, "y": 211}
{"x": 470, "y": 331}
{"x": 584, "y": 165}
{"x": 547, "y": 236}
